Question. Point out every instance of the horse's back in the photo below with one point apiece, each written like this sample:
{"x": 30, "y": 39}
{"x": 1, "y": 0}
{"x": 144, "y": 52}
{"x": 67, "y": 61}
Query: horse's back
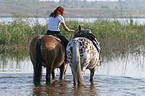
{"x": 89, "y": 55}
{"x": 50, "y": 42}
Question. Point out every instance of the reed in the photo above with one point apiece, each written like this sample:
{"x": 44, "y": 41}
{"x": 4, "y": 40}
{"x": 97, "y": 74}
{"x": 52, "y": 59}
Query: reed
{"x": 113, "y": 36}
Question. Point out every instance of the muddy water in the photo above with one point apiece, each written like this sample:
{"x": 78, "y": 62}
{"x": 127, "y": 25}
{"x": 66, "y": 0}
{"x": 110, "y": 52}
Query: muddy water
{"x": 121, "y": 76}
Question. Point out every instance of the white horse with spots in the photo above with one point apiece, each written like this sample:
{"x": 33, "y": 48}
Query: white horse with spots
{"x": 82, "y": 55}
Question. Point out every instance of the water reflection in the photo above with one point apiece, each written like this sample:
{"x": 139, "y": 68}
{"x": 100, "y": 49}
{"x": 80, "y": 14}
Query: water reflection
{"x": 55, "y": 89}
{"x": 15, "y": 65}
{"x": 86, "y": 90}
{"x": 64, "y": 88}
{"x": 128, "y": 64}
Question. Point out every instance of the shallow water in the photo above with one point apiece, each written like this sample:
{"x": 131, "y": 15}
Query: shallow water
{"x": 104, "y": 85}
{"x": 120, "y": 76}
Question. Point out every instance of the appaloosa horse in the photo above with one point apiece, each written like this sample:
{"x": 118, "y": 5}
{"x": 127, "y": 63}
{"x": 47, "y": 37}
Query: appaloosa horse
{"x": 82, "y": 55}
{"x": 47, "y": 51}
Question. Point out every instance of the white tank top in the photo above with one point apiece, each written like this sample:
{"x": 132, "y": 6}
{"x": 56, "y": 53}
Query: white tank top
{"x": 54, "y": 23}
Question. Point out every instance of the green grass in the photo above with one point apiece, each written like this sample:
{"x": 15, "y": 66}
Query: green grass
{"x": 113, "y": 36}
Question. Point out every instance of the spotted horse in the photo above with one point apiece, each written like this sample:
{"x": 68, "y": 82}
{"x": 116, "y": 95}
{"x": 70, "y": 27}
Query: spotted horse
{"x": 82, "y": 55}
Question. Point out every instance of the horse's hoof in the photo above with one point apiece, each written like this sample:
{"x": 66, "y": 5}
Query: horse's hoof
{"x": 81, "y": 84}
{"x": 36, "y": 83}
{"x": 54, "y": 78}
{"x": 91, "y": 80}
{"x": 47, "y": 82}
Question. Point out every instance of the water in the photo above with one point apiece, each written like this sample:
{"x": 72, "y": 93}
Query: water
{"x": 44, "y": 21}
{"x": 130, "y": 64}
{"x": 121, "y": 76}
{"x": 21, "y": 85}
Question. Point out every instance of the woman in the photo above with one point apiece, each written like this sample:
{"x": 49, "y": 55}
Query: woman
{"x": 55, "y": 19}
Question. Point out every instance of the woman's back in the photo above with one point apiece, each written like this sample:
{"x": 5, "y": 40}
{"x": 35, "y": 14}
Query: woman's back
{"x": 54, "y": 23}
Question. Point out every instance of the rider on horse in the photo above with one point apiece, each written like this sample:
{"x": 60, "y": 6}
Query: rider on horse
{"x": 55, "y": 19}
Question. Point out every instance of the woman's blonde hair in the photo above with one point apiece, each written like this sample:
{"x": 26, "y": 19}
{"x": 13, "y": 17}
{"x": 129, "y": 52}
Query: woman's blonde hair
{"x": 55, "y": 12}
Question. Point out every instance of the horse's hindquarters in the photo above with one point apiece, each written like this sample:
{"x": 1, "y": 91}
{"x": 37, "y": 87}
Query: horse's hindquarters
{"x": 32, "y": 47}
{"x": 52, "y": 48}
{"x": 88, "y": 57}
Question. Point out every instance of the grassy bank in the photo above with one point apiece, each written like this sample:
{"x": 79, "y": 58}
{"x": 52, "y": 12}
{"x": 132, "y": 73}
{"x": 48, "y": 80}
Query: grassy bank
{"x": 113, "y": 36}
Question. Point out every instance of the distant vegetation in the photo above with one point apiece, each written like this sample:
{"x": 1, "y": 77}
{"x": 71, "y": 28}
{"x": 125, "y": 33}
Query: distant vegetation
{"x": 113, "y": 36}
{"x": 74, "y": 8}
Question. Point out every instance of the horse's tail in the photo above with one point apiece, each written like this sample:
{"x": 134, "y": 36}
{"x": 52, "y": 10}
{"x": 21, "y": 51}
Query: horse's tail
{"x": 77, "y": 74}
{"x": 38, "y": 63}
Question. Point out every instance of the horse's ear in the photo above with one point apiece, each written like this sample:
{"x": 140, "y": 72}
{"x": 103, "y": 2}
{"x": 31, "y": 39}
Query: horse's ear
{"x": 79, "y": 27}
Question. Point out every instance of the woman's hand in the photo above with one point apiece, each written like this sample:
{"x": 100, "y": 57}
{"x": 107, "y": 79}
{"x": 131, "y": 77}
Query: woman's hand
{"x": 72, "y": 31}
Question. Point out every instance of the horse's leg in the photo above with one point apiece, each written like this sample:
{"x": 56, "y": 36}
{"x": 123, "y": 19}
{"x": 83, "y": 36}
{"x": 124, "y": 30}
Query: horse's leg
{"x": 75, "y": 79}
{"x": 48, "y": 73}
{"x": 92, "y": 71}
{"x": 53, "y": 74}
{"x": 37, "y": 73}
{"x": 62, "y": 71}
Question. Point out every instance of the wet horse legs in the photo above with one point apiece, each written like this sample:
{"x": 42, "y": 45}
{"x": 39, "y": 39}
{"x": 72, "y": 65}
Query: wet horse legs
{"x": 62, "y": 71}
{"x": 53, "y": 74}
{"x": 47, "y": 75}
{"x": 92, "y": 71}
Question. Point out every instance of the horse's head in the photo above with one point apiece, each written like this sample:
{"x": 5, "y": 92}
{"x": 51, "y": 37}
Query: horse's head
{"x": 82, "y": 31}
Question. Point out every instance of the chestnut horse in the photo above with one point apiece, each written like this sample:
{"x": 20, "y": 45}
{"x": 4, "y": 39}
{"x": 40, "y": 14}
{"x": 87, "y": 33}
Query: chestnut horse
{"x": 47, "y": 51}
{"x": 82, "y": 55}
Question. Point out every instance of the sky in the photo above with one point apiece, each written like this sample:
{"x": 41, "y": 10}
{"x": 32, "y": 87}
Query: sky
{"x": 102, "y": 0}
{"x": 80, "y": 0}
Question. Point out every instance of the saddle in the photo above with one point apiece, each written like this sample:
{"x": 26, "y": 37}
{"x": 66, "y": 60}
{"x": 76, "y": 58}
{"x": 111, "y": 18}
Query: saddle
{"x": 57, "y": 35}
{"x": 87, "y": 34}
{"x": 52, "y": 33}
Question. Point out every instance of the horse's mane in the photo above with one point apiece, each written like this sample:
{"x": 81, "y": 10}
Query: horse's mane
{"x": 82, "y": 32}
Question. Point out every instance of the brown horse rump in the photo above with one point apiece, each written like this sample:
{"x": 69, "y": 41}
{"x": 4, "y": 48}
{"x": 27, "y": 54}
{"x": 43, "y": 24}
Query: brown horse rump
{"x": 45, "y": 39}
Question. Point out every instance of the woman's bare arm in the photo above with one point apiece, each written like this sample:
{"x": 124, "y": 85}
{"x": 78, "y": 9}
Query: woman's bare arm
{"x": 66, "y": 28}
